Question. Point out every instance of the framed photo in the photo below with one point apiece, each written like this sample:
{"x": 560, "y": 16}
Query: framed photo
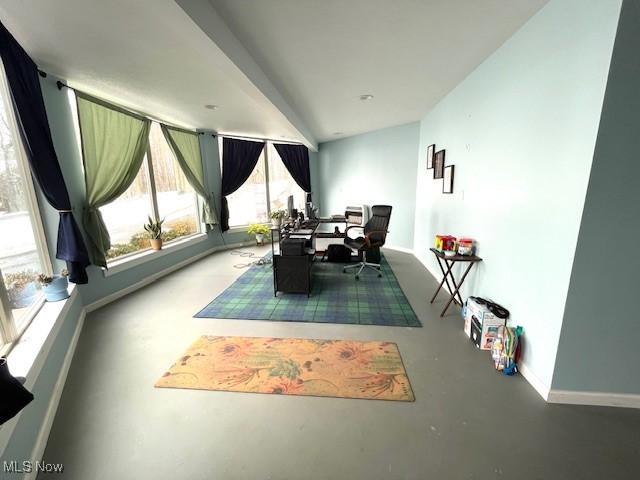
{"x": 430, "y": 151}
{"x": 447, "y": 179}
{"x": 438, "y": 164}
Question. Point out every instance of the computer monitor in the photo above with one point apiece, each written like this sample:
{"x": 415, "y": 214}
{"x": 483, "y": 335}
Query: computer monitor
{"x": 290, "y": 205}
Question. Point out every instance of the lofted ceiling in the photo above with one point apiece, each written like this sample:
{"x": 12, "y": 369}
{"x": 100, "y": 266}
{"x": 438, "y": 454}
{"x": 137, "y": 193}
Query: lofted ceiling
{"x": 147, "y": 55}
{"x": 322, "y": 55}
{"x": 280, "y": 69}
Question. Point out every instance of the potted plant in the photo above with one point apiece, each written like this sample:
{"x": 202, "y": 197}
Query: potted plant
{"x": 55, "y": 288}
{"x": 277, "y": 216}
{"x": 21, "y": 288}
{"x": 154, "y": 229}
{"x": 259, "y": 230}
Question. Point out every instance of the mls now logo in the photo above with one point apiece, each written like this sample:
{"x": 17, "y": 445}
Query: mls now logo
{"x": 28, "y": 467}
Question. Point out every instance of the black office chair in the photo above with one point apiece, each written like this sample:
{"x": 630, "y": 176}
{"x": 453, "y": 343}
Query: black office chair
{"x": 375, "y": 234}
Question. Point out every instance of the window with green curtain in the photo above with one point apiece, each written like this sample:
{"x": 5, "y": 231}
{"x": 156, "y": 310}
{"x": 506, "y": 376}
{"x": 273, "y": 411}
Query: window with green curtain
{"x": 186, "y": 148}
{"x": 114, "y": 142}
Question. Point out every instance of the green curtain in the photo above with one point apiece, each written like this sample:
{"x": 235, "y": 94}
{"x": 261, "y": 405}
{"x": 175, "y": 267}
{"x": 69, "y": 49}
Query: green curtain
{"x": 186, "y": 148}
{"x": 114, "y": 142}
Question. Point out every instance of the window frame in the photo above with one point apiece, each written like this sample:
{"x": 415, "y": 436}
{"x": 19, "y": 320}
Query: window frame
{"x": 235, "y": 228}
{"x": 9, "y": 331}
{"x": 155, "y": 211}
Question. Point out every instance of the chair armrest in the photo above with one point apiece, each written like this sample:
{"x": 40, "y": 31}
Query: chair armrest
{"x": 367, "y": 238}
{"x": 346, "y": 232}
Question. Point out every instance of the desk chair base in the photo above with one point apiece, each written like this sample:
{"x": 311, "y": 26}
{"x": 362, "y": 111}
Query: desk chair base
{"x": 362, "y": 265}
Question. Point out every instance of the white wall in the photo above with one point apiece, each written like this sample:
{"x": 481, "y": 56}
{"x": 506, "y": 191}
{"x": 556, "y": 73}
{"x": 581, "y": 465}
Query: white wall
{"x": 601, "y": 315}
{"x": 376, "y": 168}
{"x": 521, "y": 131}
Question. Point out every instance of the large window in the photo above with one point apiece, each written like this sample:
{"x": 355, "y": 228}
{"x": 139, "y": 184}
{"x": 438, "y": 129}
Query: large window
{"x": 267, "y": 189}
{"x": 161, "y": 191}
{"x": 282, "y": 184}
{"x": 22, "y": 245}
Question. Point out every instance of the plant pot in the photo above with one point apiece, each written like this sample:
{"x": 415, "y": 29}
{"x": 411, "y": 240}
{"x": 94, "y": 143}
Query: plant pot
{"x": 259, "y": 238}
{"x": 276, "y": 222}
{"x": 22, "y": 297}
{"x": 57, "y": 289}
{"x": 156, "y": 243}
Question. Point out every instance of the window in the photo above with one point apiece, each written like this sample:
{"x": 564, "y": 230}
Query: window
{"x": 177, "y": 201}
{"x": 23, "y": 253}
{"x": 161, "y": 191}
{"x": 270, "y": 180}
{"x": 248, "y": 204}
{"x": 125, "y": 216}
{"x": 282, "y": 184}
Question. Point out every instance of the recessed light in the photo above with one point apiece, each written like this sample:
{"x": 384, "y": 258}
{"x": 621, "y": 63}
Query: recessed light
{"x": 337, "y": 133}
{"x": 211, "y": 107}
{"x": 366, "y": 96}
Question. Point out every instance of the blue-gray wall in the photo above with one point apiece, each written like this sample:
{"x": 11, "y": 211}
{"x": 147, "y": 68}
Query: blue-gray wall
{"x": 521, "y": 132}
{"x": 373, "y": 168}
{"x": 598, "y": 349}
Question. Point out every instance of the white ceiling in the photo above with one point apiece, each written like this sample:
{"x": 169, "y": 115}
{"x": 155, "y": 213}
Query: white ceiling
{"x": 322, "y": 55}
{"x": 278, "y": 68}
{"x": 147, "y": 55}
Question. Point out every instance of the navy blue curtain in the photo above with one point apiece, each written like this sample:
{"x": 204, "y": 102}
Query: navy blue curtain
{"x": 296, "y": 159}
{"x": 28, "y": 104}
{"x": 239, "y": 158}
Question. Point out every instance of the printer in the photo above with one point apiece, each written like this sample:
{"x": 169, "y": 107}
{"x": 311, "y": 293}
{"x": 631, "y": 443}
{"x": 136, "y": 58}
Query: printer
{"x": 358, "y": 215}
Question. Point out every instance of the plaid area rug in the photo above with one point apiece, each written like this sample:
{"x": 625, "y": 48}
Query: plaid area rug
{"x": 336, "y": 297}
{"x": 292, "y": 366}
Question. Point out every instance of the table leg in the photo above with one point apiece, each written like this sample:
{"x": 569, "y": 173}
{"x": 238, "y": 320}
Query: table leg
{"x": 444, "y": 279}
{"x": 453, "y": 281}
{"x": 457, "y": 289}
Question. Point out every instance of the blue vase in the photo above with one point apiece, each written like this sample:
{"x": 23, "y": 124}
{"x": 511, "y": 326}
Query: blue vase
{"x": 23, "y": 297}
{"x": 57, "y": 289}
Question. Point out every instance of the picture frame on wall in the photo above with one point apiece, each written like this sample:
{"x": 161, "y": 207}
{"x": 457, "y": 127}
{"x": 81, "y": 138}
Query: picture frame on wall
{"x": 438, "y": 164}
{"x": 431, "y": 149}
{"x": 447, "y": 179}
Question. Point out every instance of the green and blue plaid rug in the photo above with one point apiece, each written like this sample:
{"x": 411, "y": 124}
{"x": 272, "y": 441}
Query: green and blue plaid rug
{"x": 336, "y": 297}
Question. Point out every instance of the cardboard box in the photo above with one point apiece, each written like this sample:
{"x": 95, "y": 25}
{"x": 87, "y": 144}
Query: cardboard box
{"x": 481, "y": 312}
{"x": 484, "y": 332}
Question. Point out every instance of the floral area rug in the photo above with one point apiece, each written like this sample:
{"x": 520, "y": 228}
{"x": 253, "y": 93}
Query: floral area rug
{"x": 292, "y": 366}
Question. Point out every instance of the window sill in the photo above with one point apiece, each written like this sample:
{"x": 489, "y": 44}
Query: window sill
{"x": 131, "y": 261}
{"x": 27, "y": 357}
{"x": 243, "y": 228}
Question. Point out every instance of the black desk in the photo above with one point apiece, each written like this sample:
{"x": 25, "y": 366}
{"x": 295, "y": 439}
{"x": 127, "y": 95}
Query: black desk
{"x": 450, "y": 261}
{"x": 292, "y": 273}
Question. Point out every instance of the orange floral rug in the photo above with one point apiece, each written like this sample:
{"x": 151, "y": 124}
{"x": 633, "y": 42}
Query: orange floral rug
{"x": 292, "y": 366}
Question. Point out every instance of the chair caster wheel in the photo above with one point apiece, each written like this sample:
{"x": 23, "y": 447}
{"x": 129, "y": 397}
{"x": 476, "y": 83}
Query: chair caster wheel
{"x": 379, "y": 275}
{"x": 344, "y": 270}
{"x": 357, "y": 277}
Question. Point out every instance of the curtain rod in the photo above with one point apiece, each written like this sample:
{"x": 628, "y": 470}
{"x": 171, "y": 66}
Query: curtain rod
{"x": 272, "y": 140}
{"x": 62, "y": 85}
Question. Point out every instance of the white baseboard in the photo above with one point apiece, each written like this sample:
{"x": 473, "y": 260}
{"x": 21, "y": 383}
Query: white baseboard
{"x": 156, "y": 276}
{"x": 434, "y": 273}
{"x": 596, "y": 399}
{"x": 43, "y": 436}
{"x": 537, "y": 384}
{"x": 399, "y": 249}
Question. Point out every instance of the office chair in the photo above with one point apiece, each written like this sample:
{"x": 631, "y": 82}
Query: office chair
{"x": 375, "y": 234}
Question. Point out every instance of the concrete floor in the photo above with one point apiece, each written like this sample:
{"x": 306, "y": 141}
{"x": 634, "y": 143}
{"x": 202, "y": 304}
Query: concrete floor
{"x": 467, "y": 421}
